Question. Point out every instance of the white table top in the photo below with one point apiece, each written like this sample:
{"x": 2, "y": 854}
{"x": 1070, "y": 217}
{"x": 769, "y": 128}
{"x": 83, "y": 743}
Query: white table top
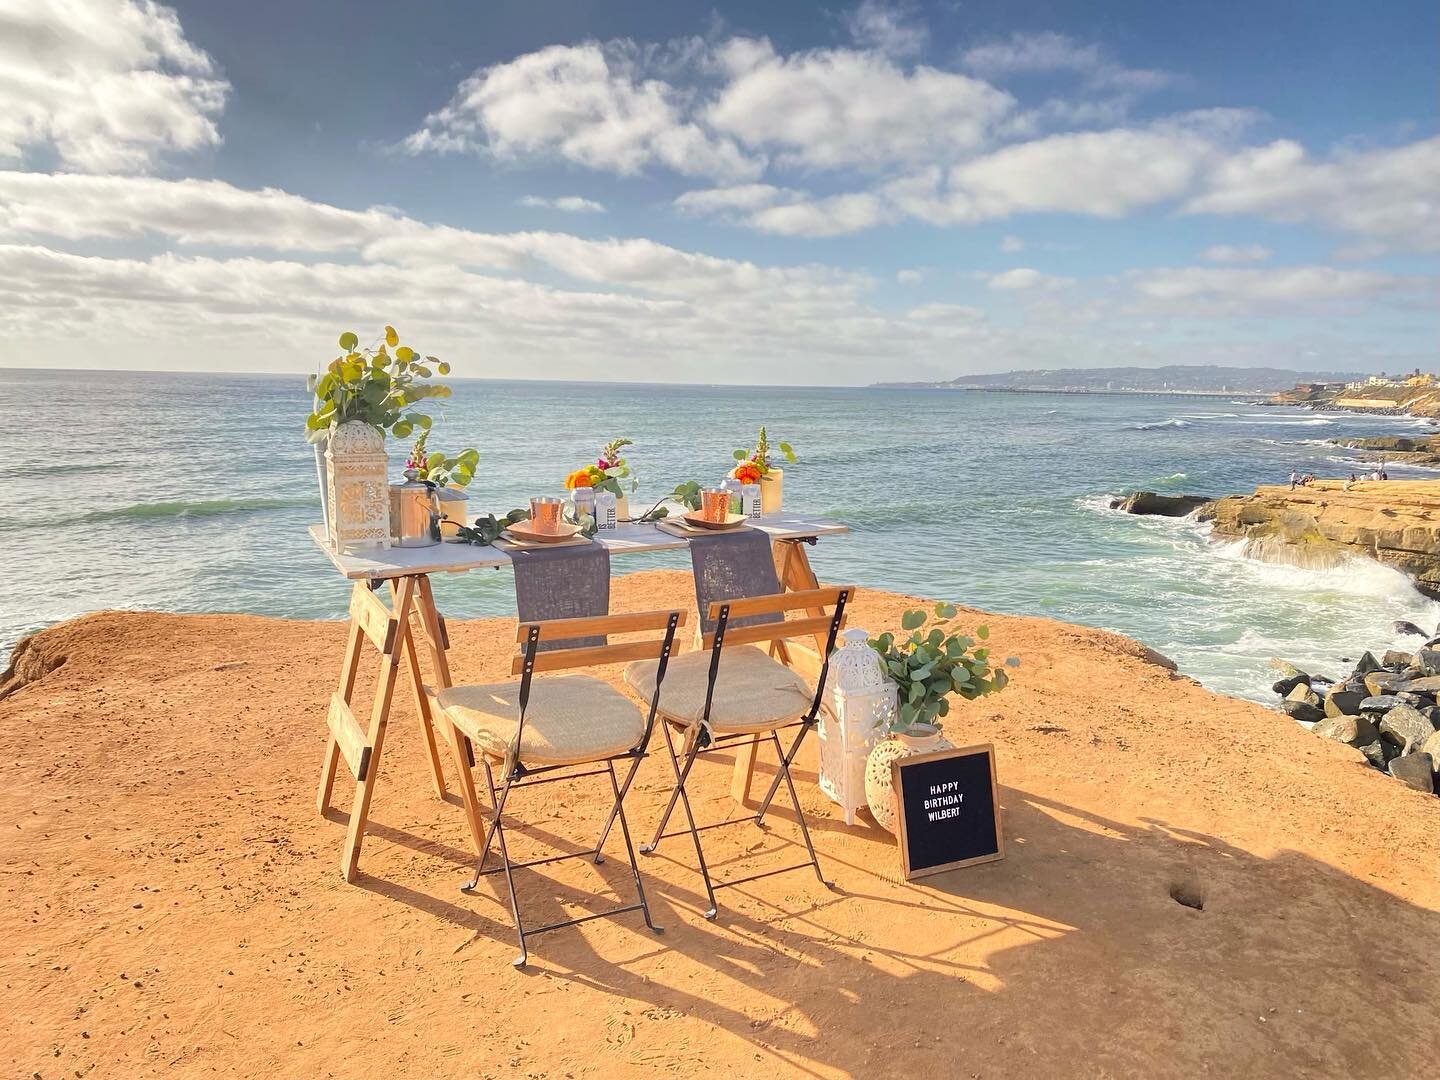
{"x": 447, "y": 558}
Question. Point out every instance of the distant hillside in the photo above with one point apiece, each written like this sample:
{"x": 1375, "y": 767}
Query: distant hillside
{"x": 1192, "y": 378}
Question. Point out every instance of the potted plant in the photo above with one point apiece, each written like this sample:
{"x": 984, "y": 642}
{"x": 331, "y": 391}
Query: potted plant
{"x": 607, "y": 474}
{"x": 361, "y": 395}
{"x": 755, "y": 468}
{"x": 446, "y": 477}
{"x": 928, "y": 666}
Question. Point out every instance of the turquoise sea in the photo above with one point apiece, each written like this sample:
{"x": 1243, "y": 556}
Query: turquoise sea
{"x": 192, "y": 493}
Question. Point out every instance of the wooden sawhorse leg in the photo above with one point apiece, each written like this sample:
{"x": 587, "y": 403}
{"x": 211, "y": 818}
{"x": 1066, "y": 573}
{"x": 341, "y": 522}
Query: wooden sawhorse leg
{"x": 389, "y": 630}
{"x": 792, "y": 567}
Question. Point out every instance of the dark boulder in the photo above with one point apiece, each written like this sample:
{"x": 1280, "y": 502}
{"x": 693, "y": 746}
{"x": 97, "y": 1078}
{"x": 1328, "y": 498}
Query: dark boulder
{"x": 1406, "y": 727}
{"x": 1302, "y": 711}
{"x": 1366, "y": 664}
{"x": 1375, "y": 753}
{"x": 1428, "y": 661}
{"x": 1156, "y": 505}
{"x": 1403, "y": 627}
{"x": 1284, "y": 686}
{"x": 1416, "y": 770}
{"x": 1384, "y": 682}
{"x": 1343, "y": 703}
{"x": 1380, "y": 703}
{"x": 1354, "y": 731}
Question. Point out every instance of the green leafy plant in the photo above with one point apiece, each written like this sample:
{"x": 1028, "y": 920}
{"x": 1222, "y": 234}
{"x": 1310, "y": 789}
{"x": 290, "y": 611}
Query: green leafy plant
{"x": 439, "y": 470}
{"x": 487, "y": 529}
{"x": 759, "y": 458}
{"x": 932, "y": 663}
{"x": 376, "y": 387}
{"x": 686, "y": 494}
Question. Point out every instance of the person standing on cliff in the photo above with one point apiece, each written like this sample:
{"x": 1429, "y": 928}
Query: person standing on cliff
{"x": 1294, "y": 478}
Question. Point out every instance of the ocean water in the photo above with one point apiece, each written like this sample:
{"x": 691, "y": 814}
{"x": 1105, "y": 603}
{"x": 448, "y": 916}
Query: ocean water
{"x": 192, "y": 493}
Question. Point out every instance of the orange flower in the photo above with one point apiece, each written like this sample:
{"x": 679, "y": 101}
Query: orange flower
{"x": 580, "y": 478}
{"x": 747, "y": 473}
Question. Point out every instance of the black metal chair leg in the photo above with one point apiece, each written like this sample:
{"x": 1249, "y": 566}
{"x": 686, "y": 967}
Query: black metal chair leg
{"x": 646, "y": 849}
{"x": 498, "y": 804}
{"x": 799, "y": 813}
{"x": 614, "y": 811}
{"x": 521, "y": 960}
{"x": 619, "y": 812}
{"x": 785, "y": 760}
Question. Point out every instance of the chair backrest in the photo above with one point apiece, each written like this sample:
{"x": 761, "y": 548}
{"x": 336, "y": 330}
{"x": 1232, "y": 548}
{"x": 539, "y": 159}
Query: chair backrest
{"x": 562, "y": 583}
{"x": 565, "y": 631}
{"x": 733, "y": 565}
{"x": 726, "y": 635}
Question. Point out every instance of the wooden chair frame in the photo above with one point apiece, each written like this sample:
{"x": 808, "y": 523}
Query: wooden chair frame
{"x": 825, "y": 628}
{"x": 518, "y": 774}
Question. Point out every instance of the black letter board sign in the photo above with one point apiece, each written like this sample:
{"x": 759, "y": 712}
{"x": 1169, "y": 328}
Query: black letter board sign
{"x": 948, "y": 809}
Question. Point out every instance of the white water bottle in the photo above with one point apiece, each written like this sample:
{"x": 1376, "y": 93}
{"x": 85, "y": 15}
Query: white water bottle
{"x": 606, "y": 511}
{"x": 750, "y": 500}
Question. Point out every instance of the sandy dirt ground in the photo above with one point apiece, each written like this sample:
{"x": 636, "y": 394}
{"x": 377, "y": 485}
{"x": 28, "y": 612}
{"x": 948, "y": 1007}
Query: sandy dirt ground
{"x": 173, "y": 906}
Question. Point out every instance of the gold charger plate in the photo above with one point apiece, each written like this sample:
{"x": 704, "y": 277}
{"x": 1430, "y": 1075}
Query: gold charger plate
{"x": 522, "y": 531}
{"x": 696, "y": 521}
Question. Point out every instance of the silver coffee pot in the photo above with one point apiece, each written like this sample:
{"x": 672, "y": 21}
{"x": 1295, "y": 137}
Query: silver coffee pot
{"x": 414, "y": 513}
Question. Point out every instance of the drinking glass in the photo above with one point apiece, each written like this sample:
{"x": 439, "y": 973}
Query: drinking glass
{"x": 715, "y": 504}
{"x": 545, "y": 512}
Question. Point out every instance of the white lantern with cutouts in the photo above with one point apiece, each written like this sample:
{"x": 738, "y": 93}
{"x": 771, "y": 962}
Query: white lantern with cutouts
{"x": 862, "y": 702}
{"x": 358, "y": 489}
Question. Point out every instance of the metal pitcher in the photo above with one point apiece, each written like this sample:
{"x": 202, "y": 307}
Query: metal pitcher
{"x": 414, "y": 513}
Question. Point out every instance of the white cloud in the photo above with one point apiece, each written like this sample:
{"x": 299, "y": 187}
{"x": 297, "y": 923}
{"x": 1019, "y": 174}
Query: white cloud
{"x": 1389, "y": 200}
{"x": 1236, "y": 253}
{"x": 571, "y": 204}
{"x": 840, "y": 107}
{"x": 738, "y": 197}
{"x": 1012, "y": 244}
{"x": 108, "y": 85}
{"x": 1257, "y": 292}
{"x": 833, "y": 216}
{"x": 1025, "y": 278}
{"x": 584, "y": 103}
{"x": 1040, "y": 53}
{"x": 888, "y": 28}
{"x": 909, "y": 276}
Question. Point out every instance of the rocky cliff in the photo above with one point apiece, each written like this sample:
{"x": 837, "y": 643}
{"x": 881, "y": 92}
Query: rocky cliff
{"x": 1396, "y": 522}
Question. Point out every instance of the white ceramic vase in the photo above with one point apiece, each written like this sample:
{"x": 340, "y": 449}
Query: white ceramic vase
{"x": 879, "y": 781}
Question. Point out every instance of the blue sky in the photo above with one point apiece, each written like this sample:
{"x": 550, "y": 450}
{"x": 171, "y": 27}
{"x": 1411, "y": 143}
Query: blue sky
{"x": 744, "y": 192}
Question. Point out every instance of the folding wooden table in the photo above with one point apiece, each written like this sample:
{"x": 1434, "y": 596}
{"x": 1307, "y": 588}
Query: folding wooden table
{"x": 409, "y": 625}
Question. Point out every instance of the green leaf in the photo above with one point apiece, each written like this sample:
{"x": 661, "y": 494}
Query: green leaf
{"x": 442, "y": 367}
{"x": 982, "y": 632}
{"x": 402, "y": 429}
{"x": 789, "y": 453}
{"x": 912, "y": 620}
{"x": 405, "y": 354}
{"x": 917, "y": 691}
{"x": 740, "y": 455}
{"x": 348, "y": 341}
{"x": 421, "y": 419}
{"x": 944, "y": 610}
{"x": 907, "y": 714}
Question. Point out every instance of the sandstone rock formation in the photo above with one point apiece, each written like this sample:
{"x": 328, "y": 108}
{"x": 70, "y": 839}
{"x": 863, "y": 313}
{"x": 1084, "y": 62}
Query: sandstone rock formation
{"x": 1394, "y": 521}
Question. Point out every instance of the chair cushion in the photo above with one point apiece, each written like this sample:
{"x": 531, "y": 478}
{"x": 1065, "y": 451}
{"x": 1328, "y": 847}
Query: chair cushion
{"x": 570, "y": 719}
{"x": 753, "y": 691}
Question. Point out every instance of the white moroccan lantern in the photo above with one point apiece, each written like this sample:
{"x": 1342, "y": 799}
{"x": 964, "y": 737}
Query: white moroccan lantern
{"x": 862, "y": 703}
{"x": 358, "y": 492}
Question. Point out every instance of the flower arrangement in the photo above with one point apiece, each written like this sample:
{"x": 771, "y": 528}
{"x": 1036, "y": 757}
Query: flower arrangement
{"x": 607, "y": 472}
{"x": 755, "y": 464}
{"x": 930, "y": 666}
{"x": 372, "y": 386}
{"x": 438, "y": 470}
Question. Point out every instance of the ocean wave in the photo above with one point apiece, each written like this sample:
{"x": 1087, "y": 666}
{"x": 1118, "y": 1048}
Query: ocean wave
{"x": 199, "y": 508}
{"x": 1173, "y": 422}
{"x": 1353, "y": 575}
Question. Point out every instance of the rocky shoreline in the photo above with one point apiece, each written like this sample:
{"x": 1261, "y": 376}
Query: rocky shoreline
{"x": 1395, "y": 522}
{"x": 1386, "y": 708}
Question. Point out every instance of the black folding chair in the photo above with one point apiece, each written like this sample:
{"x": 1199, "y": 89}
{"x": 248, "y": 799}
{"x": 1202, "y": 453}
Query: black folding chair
{"x": 539, "y": 731}
{"x": 731, "y": 695}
